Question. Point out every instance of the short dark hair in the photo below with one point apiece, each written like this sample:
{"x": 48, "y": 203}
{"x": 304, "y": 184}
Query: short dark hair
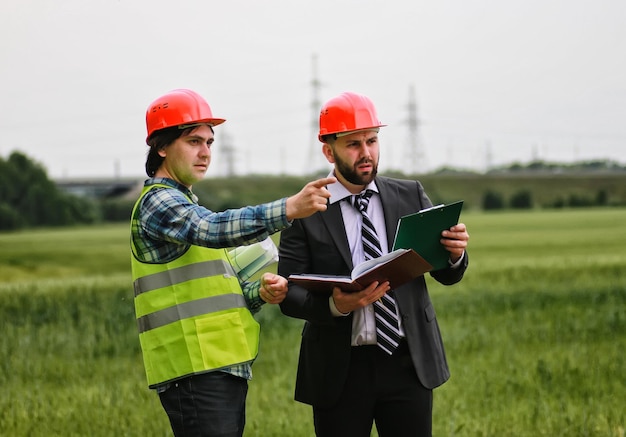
{"x": 330, "y": 138}
{"x": 159, "y": 140}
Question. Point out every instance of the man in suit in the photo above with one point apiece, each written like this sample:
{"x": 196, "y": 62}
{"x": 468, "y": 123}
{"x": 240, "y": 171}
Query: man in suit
{"x": 345, "y": 371}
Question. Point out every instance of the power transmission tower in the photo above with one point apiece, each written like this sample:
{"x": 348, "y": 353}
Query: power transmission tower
{"x": 227, "y": 151}
{"x": 315, "y": 153}
{"x": 488, "y": 156}
{"x": 417, "y": 158}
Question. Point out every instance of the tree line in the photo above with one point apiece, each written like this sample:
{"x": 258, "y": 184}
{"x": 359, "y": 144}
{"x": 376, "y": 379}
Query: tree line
{"x": 29, "y": 199}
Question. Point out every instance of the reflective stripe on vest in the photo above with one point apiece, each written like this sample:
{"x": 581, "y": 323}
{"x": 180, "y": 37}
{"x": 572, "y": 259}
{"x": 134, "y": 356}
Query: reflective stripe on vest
{"x": 191, "y": 314}
{"x": 180, "y": 274}
{"x": 189, "y": 309}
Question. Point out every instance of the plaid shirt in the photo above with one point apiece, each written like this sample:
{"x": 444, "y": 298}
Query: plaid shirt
{"x": 167, "y": 223}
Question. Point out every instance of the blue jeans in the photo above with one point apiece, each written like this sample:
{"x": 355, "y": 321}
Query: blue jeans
{"x": 211, "y": 404}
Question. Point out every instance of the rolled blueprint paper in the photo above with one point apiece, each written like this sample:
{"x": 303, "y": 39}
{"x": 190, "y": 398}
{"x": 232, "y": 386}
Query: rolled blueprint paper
{"x": 249, "y": 260}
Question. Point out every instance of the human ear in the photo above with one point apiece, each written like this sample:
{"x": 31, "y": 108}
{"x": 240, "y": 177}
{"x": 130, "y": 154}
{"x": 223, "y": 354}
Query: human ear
{"x": 328, "y": 153}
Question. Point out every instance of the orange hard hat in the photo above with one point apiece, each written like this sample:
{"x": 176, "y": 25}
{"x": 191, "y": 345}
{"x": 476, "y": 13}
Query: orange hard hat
{"x": 178, "y": 108}
{"x": 348, "y": 112}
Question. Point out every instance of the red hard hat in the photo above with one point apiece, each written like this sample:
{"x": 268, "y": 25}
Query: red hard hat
{"x": 346, "y": 113}
{"x": 179, "y": 107}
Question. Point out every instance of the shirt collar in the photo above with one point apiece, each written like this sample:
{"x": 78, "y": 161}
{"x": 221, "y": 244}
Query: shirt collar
{"x": 338, "y": 192}
{"x": 173, "y": 184}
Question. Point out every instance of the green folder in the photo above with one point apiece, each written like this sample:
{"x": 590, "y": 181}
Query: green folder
{"x": 421, "y": 232}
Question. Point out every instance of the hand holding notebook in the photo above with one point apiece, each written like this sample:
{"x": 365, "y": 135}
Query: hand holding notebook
{"x": 397, "y": 267}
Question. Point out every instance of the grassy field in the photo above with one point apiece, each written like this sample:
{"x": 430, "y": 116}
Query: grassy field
{"x": 535, "y": 335}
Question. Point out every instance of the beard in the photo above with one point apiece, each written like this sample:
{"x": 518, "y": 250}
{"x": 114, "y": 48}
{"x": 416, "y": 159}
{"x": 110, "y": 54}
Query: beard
{"x": 351, "y": 174}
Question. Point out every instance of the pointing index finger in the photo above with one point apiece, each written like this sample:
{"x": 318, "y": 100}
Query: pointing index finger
{"x": 324, "y": 181}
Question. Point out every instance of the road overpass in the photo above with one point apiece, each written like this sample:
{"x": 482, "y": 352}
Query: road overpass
{"x": 101, "y": 188}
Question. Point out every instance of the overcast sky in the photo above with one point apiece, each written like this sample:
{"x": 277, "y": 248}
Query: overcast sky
{"x": 494, "y": 81}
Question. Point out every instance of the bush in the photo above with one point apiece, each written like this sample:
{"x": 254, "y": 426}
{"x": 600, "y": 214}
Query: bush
{"x": 602, "y": 198}
{"x": 578, "y": 201}
{"x": 116, "y": 210}
{"x": 492, "y": 200}
{"x": 522, "y": 200}
{"x": 9, "y": 218}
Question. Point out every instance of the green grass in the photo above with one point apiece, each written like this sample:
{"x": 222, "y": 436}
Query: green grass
{"x": 534, "y": 334}
{"x": 64, "y": 253}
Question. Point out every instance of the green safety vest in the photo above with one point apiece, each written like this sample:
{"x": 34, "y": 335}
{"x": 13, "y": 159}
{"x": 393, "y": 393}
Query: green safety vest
{"x": 191, "y": 313}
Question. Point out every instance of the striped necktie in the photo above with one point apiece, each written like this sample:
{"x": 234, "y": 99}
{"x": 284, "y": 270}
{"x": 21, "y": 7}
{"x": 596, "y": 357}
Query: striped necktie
{"x": 387, "y": 326}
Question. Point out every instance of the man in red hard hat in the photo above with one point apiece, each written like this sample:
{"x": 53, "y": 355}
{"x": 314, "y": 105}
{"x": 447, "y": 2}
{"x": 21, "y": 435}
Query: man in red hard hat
{"x": 374, "y": 355}
{"x": 194, "y": 315}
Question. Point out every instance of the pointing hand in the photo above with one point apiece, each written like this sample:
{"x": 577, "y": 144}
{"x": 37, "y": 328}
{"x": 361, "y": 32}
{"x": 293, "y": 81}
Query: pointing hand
{"x": 311, "y": 199}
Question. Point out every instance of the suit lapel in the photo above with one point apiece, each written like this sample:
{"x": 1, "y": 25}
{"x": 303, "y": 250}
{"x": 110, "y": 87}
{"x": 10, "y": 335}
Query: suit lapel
{"x": 333, "y": 220}
{"x": 389, "y": 199}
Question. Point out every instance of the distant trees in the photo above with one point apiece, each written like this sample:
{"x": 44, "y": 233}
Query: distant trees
{"x": 538, "y": 166}
{"x": 492, "y": 200}
{"x": 29, "y": 199}
{"x": 522, "y": 200}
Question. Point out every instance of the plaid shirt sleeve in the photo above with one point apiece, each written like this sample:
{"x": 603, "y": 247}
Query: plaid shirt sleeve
{"x": 169, "y": 216}
{"x": 251, "y": 295}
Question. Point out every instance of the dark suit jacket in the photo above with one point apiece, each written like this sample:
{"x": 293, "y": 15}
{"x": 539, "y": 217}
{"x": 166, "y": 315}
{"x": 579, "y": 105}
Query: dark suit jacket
{"x": 318, "y": 244}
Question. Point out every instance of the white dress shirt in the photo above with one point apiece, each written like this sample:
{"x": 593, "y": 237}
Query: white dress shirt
{"x": 363, "y": 322}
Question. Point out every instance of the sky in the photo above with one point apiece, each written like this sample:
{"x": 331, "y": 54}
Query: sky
{"x": 485, "y": 82}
